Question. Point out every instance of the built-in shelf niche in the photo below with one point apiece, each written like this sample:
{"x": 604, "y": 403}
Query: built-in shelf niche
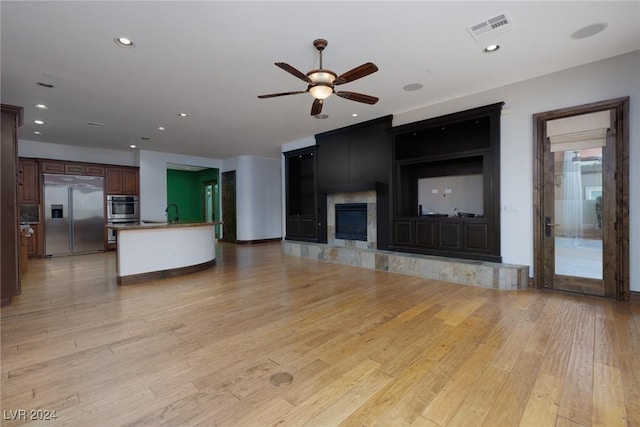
{"x": 445, "y": 166}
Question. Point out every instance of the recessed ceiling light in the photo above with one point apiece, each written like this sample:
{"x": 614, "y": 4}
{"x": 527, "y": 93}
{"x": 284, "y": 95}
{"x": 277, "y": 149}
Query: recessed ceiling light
{"x": 41, "y": 107}
{"x": 132, "y": 146}
{"x": 160, "y": 127}
{"x": 37, "y": 132}
{"x": 354, "y": 115}
{"x": 491, "y": 48}
{"x": 412, "y": 87}
{"x": 44, "y": 84}
{"x": 124, "y": 42}
{"x": 589, "y": 30}
{"x": 38, "y": 122}
{"x": 182, "y": 114}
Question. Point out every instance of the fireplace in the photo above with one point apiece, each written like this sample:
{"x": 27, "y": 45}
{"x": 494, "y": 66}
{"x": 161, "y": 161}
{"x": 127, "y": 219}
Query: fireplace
{"x": 351, "y": 221}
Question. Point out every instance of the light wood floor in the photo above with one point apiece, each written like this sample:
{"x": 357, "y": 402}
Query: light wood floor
{"x": 364, "y": 347}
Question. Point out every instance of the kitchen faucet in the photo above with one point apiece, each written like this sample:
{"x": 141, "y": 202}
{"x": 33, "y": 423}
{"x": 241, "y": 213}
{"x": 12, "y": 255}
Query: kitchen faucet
{"x": 175, "y": 219}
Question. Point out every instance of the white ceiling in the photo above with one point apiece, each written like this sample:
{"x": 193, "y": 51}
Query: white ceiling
{"x": 211, "y": 59}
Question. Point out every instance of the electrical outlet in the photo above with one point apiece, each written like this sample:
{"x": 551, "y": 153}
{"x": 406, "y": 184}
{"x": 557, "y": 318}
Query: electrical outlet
{"x": 447, "y": 191}
{"x": 434, "y": 191}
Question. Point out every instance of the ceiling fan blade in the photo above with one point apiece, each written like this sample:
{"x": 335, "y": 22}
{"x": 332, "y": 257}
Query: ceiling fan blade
{"x": 356, "y": 73}
{"x": 271, "y": 95}
{"x": 293, "y": 71}
{"x": 358, "y": 97}
{"x": 316, "y": 107}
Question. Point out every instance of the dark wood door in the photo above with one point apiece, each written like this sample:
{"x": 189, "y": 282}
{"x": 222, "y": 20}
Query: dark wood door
{"x": 581, "y": 228}
{"x": 29, "y": 183}
{"x": 229, "y": 206}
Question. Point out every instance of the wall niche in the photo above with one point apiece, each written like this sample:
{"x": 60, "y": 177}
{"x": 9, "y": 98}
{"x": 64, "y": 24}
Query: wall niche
{"x": 446, "y": 185}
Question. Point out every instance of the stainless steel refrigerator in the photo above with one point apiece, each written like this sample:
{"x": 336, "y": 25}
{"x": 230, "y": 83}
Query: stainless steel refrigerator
{"x": 74, "y": 214}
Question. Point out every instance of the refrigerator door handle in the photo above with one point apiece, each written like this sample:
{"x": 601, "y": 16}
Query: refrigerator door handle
{"x": 71, "y": 231}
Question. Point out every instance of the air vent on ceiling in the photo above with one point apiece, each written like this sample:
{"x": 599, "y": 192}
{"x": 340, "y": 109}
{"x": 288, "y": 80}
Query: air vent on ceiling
{"x": 95, "y": 124}
{"x": 491, "y": 27}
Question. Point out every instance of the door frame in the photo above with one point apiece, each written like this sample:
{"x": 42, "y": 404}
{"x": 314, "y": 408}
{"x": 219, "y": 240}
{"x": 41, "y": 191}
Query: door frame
{"x": 616, "y": 255}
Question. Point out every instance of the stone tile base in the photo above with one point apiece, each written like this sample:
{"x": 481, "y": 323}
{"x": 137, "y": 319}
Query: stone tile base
{"x": 465, "y": 272}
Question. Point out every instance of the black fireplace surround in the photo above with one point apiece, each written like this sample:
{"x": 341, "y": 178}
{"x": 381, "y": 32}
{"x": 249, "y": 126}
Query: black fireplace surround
{"x": 351, "y": 221}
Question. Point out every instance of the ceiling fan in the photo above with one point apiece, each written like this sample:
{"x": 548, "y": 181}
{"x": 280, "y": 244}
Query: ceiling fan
{"x": 322, "y": 81}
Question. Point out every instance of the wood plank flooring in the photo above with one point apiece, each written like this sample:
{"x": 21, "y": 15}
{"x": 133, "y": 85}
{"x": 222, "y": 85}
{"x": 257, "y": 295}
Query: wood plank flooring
{"x": 364, "y": 347}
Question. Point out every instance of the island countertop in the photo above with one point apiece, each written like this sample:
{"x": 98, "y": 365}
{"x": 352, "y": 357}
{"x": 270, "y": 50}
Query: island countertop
{"x": 150, "y": 224}
{"x": 151, "y": 250}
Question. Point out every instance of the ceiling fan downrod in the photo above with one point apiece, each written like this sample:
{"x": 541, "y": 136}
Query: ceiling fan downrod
{"x": 320, "y": 44}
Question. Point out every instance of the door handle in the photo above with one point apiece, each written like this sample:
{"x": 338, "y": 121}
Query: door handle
{"x": 548, "y": 226}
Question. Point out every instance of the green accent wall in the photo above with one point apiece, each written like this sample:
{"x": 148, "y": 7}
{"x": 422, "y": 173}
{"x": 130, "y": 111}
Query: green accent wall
{"x": 184, "y": 188}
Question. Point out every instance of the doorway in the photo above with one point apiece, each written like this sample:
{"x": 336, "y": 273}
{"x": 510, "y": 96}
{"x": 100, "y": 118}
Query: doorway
{"x": 581, "y": 203}
{"x": 209, "y": 197}
{"x": 229, "y": 207}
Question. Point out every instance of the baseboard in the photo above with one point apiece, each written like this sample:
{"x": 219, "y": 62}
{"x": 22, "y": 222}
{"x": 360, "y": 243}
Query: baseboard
{"x": 254, "y": 242}
{"x": 634, "y": 296}
{"x": 156, "y": 275}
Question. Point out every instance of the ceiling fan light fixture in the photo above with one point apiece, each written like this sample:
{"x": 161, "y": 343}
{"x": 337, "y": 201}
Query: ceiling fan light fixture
{"x": 321, "y": 91}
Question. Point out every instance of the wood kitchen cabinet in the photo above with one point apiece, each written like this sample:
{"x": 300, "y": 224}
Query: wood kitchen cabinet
{"x": 71, "y": 168}
{"x": 9, "y": 230}
{"x": 28, "y": 181}
{"x": 122, "y": 180}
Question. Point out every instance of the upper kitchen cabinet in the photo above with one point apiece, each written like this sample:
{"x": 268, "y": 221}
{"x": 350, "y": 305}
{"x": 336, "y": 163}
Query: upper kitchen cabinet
{"x": 122, "y": 180}
{"x": 71, "y": 168}
{"x": 28, "y": 181}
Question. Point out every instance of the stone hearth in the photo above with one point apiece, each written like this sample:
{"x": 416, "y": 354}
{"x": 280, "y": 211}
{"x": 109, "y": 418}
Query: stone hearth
{"x": 366, "y": 255}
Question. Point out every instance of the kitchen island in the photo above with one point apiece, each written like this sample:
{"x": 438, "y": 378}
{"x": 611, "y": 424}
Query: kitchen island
{"x": 152, "y": 250}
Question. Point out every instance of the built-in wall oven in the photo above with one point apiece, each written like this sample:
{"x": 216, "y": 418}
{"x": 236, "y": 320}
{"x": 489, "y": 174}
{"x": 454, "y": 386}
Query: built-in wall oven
{"x": 122, "y": 207}
{"x": 121, "y": 210}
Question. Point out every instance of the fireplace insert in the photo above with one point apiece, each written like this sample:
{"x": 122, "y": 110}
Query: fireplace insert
{"x": 351, "y": 221}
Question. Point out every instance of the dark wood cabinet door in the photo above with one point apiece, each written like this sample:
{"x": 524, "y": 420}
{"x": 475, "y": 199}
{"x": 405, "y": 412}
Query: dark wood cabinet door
{"x": 130, "y": 181}
{"x": 28, "y": 184}
{"x": 113, "y": 178}
{"x": 74, "y": 169}
{"x": 402, "y": 233}
{"x": 478, "y": 236}
{"x": 52, "y": 167}
{"x": 122, "y": 180}
{"x": 425, "y": 233}
{"x": 94, "y": 170}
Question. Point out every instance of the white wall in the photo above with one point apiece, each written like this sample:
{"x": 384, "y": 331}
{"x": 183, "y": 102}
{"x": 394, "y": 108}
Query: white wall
{"x": 258, "y": 197}
{"x": 599, "y": 81}
{"x": 153, "y": 179}
{"x": 45, "y": 150}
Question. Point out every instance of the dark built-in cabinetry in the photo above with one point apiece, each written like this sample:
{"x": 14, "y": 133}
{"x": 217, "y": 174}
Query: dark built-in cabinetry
{"x": 437, "y": 182}
{"x": 350, "y": 159}
{"x": 302, "y": 195}
{"x": 455, "y": 156}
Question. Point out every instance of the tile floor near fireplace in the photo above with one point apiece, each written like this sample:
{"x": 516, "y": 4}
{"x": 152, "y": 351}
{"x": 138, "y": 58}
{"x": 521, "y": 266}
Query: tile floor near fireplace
{"x": 365, "y": 254}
